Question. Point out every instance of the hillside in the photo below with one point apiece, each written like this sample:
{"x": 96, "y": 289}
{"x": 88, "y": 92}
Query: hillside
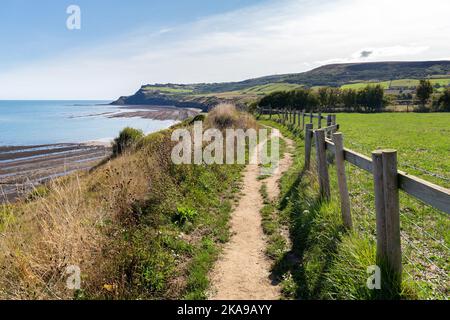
{"x": 204, "y": 95}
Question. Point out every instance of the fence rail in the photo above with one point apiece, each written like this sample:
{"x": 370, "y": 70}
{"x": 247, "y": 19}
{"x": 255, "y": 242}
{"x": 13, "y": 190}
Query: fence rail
{"x": 388, "y": 180}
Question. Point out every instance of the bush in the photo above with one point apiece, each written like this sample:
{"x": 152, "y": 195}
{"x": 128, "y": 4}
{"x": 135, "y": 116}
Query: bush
{"x": 127, "y": 139}
{"x": 442, "y": 102}
{"x": 199, "y": 117}
{"x": 223, "y": 116}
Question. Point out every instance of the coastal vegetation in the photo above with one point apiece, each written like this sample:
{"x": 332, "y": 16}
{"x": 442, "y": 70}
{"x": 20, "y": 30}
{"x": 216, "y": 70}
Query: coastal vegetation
{"x": 137, "y": 227}
{"x": 127, "y": 139}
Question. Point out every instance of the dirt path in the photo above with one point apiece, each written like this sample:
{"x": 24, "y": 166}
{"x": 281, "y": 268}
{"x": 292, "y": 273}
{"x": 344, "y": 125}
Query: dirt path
{"x": 242, "y": 272}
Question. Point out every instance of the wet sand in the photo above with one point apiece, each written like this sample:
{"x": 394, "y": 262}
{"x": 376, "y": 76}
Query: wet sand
{"x": 22, "y": 168}
{"x": 150, "y": 112}
{"x": 156, "y": 113}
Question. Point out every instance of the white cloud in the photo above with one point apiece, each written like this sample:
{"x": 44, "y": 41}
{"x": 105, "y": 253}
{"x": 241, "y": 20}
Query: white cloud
{"x": 388, "y": 52}
{"x": 279, "y": 37}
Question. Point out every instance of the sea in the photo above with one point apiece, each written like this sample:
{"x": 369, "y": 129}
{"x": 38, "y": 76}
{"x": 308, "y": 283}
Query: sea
{"x": 27, "y": 123}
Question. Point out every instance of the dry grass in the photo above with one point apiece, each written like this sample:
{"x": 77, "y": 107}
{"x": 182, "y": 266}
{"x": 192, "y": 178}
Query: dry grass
{"x": 227, "y": 116}
{"x": 75, "y": 224}
{"x": 50, "y": 234}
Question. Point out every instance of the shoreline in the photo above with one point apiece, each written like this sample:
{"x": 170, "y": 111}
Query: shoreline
{"x": 24, "y": 167}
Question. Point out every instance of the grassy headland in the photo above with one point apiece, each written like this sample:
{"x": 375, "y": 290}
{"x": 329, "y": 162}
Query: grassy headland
{"x": 138, "y": 226}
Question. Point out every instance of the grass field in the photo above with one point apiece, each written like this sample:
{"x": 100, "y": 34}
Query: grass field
{"x": 422, "y": 140}
{"x": 325, "y": 261}
{"x": 271, "y": 87}
{"x": 410, "y": 83}
{"x": 168, "y": 89}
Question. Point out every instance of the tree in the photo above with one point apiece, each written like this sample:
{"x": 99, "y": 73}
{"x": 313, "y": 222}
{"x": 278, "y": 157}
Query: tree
{"x": 322, "y": 97}
{"x": 333, "y": 97}
{"x": 349, "y": 99}
{"x": 276, "y": 100}
{"x": 424, "y": 91}
{"x": 371, "y": 98}
{"x": 301, "y": 99}
{"x": 444, "y": 101}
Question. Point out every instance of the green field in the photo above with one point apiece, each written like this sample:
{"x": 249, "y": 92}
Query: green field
{"x": 334, "y": 262}
{"x": 422, "y": 140}
{"x": 409, "y": 83}
{"x": 169, "y": 89}
{"x": 271, "y": 87}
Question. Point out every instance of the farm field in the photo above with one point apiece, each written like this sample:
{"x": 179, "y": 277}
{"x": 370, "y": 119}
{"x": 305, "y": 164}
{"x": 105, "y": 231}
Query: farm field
{"x": 422, "y": 140}
{"x": 271, "y": 87}
{"x": 410, "y": 83}
{"x": 423, "y": 145}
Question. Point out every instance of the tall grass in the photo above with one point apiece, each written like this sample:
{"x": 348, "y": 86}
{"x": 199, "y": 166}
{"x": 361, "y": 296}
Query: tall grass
{"x": 227, "y": 116}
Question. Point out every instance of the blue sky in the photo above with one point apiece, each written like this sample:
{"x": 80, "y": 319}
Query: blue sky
{"x": 124, "y": 44}
{"x": 32, "y": 30}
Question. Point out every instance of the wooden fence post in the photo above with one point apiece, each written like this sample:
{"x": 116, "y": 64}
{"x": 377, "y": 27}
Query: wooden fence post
{"x": 377, "y": 161}
{"x": 303, "y": 120}
{"x": 329, "y": 122}
{"x": 294, "y": 115}
{"x": 270, "y": 113}
{"x": 299, "y": 118}
{"x": 322, "y": 165}
{"x": 389, "y": 252}
{"x": 333, "y": 122}
{"x": 392, "y": 215}
{"x": 342, "y": 180}
{"x": 308, "y": 144}
{"x": 311, "y": 117}
{"x": 319, "y": 122}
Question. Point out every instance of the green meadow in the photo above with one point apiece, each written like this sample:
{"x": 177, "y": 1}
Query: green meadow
{"x": 327, "y": 262}
{"x": 422, "y": 140}
{"x": 404, "y": 83}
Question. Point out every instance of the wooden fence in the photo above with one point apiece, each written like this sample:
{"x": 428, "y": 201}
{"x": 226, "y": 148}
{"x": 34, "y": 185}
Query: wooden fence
{"x": 388, "y": 180}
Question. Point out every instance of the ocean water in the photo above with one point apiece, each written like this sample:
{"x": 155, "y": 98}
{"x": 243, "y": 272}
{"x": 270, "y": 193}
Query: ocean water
{"x": 24, "y": 123}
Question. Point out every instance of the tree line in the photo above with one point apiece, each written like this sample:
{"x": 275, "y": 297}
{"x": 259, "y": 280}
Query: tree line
{"x": 369, "y": 99}
{"x": 428, "y": 101}
{"x": 328, "y": 99}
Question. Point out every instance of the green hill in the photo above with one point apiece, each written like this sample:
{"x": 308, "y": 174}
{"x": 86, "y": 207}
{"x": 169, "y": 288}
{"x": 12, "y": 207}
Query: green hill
{"x": 203, "y": 95}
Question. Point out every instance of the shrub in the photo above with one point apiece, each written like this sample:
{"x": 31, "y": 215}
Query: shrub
{"x": 223, "y": 116}
{"x": 443, "y": 102}
{"x": 199, "y": 117}
{"x": 127, "y": 138}
{"x": 185, "y": 214}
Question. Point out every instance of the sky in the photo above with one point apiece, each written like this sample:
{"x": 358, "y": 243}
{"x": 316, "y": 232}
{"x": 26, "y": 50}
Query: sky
{"x": 122, "y": 45}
